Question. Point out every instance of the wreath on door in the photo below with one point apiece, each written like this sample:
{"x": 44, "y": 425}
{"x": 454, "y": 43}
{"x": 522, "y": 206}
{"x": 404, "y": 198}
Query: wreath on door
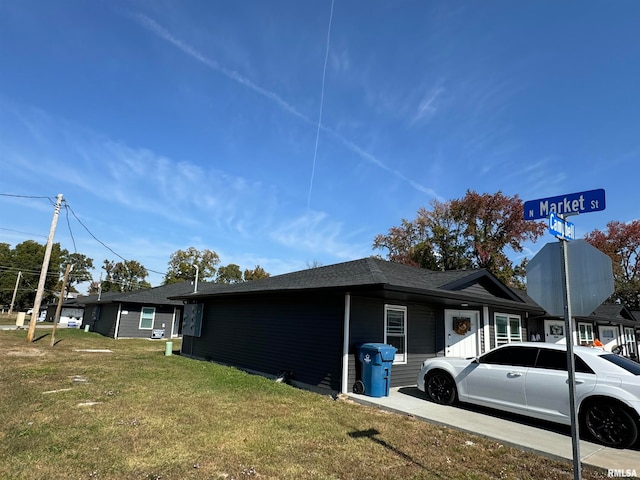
{"x": 461, "y": 325}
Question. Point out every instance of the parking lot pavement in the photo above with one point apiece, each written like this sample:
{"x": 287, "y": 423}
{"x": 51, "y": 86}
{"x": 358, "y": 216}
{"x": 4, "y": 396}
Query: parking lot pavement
{"x": 543, "y": 438}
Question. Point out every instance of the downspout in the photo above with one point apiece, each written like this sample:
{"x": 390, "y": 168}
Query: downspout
{"x": 115, "y": 333}
{"x": 345, "y": 343}
{"x": 486, "y": 337}
{"x": 173, "y": 321}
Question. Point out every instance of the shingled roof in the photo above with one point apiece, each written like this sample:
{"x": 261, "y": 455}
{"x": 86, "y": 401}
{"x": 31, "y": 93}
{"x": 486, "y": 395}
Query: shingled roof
{"x": 374, "y": 273}
{"x": 148, "y": 296}
{"x": 614, "y": 312}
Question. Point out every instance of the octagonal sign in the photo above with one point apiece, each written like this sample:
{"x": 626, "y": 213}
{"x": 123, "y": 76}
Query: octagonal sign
{"x": 590, "y": 278}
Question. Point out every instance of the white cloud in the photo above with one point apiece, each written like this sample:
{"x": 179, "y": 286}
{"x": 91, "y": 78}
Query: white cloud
{"x": 427, "y": 108}
{"x": 315, "y": 232}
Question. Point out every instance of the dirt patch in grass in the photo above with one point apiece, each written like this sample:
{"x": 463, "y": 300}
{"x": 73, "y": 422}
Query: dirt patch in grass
{"x": 25, "y": 352}
{"x": 148, "y": 416}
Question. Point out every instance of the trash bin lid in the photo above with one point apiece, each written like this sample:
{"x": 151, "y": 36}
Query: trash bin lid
{"x": 387, "y": 352}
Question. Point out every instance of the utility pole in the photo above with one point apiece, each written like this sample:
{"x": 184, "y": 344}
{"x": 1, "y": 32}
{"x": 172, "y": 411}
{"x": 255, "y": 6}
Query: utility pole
{"x": 45, "y": 269}
{"x": 56, "y": 319}
{"x": 15, "y": 291}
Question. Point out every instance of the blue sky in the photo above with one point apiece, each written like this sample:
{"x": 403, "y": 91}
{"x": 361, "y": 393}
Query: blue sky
{"x": 286, "y": 133}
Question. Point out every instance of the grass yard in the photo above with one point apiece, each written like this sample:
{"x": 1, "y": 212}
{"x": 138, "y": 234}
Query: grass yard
{"x": 6, "y": 319}
{"x": 134, "y": 413}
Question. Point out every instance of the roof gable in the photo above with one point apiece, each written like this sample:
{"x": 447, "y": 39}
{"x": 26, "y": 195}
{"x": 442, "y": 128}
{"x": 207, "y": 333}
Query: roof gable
{"x": 481, "y": 283}
{"x": 614, "y": 311}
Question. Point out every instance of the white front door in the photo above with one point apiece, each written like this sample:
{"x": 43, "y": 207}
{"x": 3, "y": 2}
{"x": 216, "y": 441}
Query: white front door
{"x": 461, "y": 333}
{"x": 554, "y": 331}
{"x": 608, "y": 336}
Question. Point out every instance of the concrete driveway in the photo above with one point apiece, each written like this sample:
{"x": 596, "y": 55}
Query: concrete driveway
{"x": 550, "y": 440}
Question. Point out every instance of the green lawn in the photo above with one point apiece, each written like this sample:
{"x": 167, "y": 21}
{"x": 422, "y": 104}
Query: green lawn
{"x": 6, "y": 319}
{"x": 137, "y": 414}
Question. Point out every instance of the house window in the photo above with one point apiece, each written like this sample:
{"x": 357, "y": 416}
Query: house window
{"x": 630, "y": 341}
{"x": 146, "y": 318}
{"x": 508, "y": 329}
{"x": 585, "y": 333}
{"x": 395, "y": 330}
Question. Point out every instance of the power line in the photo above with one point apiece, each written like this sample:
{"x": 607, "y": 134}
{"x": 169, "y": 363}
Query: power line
{"x": 24, "y": 233}
{"x": 66, "y": 209}
{"x": 69, "y": 209}
{"x": 7, "y": 268}
{"x": 24, "y": 196}
{"x": 67, "y": 206}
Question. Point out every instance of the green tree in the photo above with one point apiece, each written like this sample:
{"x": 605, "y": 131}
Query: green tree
{"x": 475, "y": 231}
{"x": 27, "y": 257}
{"x": 229, "y": 274}
{"x": 8, "y": 275}
{"x": 621, "y": 242}
{"x": 124, "y": 276}
{"x": 181, "y": 265}
{"x": 255, "y": 274}
{"x": 81, "y": 268}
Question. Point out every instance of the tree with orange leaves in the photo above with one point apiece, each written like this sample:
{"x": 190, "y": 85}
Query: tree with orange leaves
{"x": 476, "y": 231}
{"x": 621, "y": 242}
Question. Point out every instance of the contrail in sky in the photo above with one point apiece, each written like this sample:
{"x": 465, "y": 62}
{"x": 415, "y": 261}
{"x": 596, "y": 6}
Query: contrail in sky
{"x": 324, "y": 75}
{"x": 158, "y": 30}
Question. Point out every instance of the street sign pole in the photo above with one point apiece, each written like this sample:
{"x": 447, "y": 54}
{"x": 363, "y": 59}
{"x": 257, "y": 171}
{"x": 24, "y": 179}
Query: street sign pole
{"x": 588, "y": 262}
{"x": 571, "y": 365}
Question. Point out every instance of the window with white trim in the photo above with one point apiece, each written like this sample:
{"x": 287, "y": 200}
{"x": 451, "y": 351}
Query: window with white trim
{"x": 508, "y": 328}
{"x": 630, "y": 341}
{"x": 147, "y": 316}
{"x": 585, "y": 333}
{"x": 395, "y": 330}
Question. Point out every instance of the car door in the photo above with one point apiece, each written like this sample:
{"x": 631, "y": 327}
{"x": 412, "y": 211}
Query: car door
{"x": 547, "y": 385}
{"x": 498, "y": 381}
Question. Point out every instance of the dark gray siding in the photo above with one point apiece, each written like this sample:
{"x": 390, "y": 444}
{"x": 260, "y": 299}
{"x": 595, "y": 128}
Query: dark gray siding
{"x": 89, "y": 316}
{"x": 421, "y": 331}
{"x": 367, "y": 325}
{"x": 301, "y": 335}
{"x": 130, "y": 321}
{"x": 105, "y": 319}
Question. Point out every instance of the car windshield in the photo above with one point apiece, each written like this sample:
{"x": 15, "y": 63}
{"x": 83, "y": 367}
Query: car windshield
{"x": 623, "y": 362}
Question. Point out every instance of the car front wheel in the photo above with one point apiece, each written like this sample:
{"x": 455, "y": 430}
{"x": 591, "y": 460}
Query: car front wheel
{"x": 610, "y": 424}
{"x": 440, "y": 387}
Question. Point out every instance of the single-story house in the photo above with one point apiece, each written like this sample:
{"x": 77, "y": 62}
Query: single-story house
{"x": 146, "y": 313}
{"x": 310, "y": 323}
{"x": 71, "y": 312}
{"x": 613, "y": 324}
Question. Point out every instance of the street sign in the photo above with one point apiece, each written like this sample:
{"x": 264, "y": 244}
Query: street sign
{"x": 561, "y": 228}
{"x": 590, "y": 278}
{"x": 571, "y": 204}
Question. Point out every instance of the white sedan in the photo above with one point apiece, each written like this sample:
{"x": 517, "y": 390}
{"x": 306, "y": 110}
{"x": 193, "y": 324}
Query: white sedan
{"x": 531, "y": 379}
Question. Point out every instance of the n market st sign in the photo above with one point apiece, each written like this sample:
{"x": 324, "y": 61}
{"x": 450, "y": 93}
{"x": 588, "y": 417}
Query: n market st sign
{"x": 565, "y": 205}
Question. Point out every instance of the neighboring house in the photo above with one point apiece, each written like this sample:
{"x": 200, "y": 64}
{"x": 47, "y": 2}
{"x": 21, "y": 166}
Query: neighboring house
{"x": 612, "y": 324}
{"x": 310, "y": 323}
{"x": 146, "y": 313}
{"x": 71, "y": 312}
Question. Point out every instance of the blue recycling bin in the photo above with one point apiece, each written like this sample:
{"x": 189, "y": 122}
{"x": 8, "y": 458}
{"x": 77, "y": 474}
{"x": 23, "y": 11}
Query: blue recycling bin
{"x": 376, "y": 359}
